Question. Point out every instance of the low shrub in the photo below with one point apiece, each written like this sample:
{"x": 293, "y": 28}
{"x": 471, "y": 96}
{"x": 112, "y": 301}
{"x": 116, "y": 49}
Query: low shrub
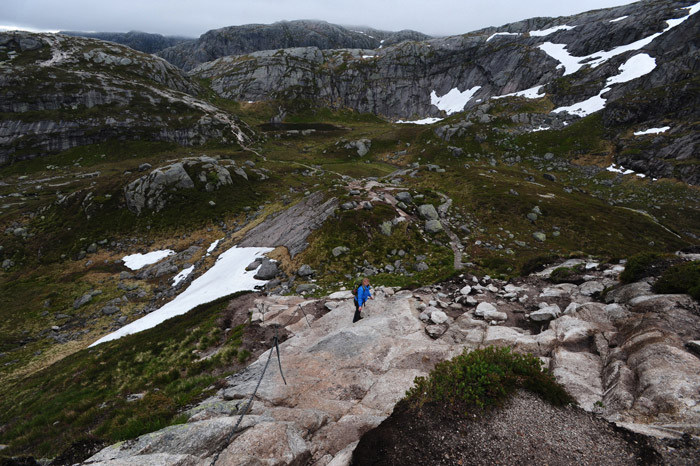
{"x": 681, "y": 278}
{"x": 486, "y": 377}
{"x": 641, "y": 265}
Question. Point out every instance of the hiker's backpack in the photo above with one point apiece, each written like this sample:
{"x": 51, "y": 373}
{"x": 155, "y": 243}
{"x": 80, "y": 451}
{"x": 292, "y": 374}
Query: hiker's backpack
{"x": 355, "y": 285}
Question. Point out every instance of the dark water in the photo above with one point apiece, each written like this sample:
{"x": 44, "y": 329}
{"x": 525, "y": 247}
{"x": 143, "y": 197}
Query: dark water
{"x": 299, "y": 126}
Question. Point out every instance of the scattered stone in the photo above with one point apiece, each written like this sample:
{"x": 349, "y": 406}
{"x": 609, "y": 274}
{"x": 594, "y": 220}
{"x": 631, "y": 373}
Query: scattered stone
{"x": 109, "y": 310}
{"x": 305, "y": 270}
{"x": 404, "y": 196}
{"x": 428, "y": 212}
{"x": 435, "y": 331}
{"x": 546, "y": 312}
{"x": 539, "y": 236}
{"x": 82, "y": 301}
{"x": 438, "y": 317}
{"x": 339, "y": 250}
{"x": 489, "y": 312}
{"x": 305, "y": 288}
{"x": 268, "y": 270}
{"x": 421, "y": 267}
{"x": 433, "y": 226}
{"x": 465, "y": 290}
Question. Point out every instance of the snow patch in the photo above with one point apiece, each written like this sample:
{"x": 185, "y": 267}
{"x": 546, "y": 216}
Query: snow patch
{"x": 213, "y": 246}
{"x": 139, "y": 261}
{"x": 532, "y": 93}
{"x": 540, "y": 128}
{"x": 546, "y": 32}
{"x": 652, "y": 131}
{"x": 424, "y": 121}
{"x": 227, "y": 276}
{"x": 625, "y": 171}
{"x": 454, "y": 101}
{"x": 182, "y": 275}
{"x": 634, "y": 68}
{"x": 572, "y": 64}
{"x": 619, "y": 19}
{"x": 502, "y": 34}
{"x": 585, "y": 108}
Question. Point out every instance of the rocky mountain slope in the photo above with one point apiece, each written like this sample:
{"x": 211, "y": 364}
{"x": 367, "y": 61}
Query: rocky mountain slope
{"x": 637, "y": 64}
{"x": 239, "y": 40}
{"x": 137, "y": 40}
{"x": 110, "y": 155}
{"x": 60, "y": 92}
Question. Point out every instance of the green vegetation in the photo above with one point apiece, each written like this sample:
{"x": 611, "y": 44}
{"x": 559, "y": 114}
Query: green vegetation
{"x": 641, "y": 265}
{"x": 485, "y": 377}
{"x": 171, "y": 365}
{"x": 680, "y": 278}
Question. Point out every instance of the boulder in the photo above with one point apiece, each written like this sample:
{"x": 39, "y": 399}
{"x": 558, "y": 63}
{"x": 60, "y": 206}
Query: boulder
{"x": 82, "y": 301}
{"x": 404, "y": 196}
{"x": 362, "y": 146}
{"x": 465, "y": 290}
{"x": 546, "y": 312}
{"x": 267, "y": 271}
{"x": 591, "y": 288}
{"x": 428, "y": 212}
{"x": 305, "y": 271}
{"x": 438, "y": 317}
{"x": 339, "y": 250}
{"x": 433, "y": 226}
{"x": 489, "y": 312}
{"x": 539, "y": 236}
{"x": 347, "y": 294}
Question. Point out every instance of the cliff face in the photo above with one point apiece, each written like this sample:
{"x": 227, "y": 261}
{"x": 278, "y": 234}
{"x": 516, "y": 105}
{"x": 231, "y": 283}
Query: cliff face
{"x": 58, "y": 92}
{"x": 238, "y": 40}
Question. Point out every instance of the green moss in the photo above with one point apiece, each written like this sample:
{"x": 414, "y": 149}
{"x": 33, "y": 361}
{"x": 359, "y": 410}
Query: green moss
{"x": 680, "y": 278}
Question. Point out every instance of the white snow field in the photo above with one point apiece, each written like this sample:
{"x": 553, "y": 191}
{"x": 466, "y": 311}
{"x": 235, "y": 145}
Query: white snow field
{"x": 532, "y": 93}
{"x": 227, "y": 276}
{"x": 424, "y": 121}
{"x": 184, "y": 273}
{"x": 454, "y": 101}
{"x": 138, "y": 261}
{"x": 652, "y": 131}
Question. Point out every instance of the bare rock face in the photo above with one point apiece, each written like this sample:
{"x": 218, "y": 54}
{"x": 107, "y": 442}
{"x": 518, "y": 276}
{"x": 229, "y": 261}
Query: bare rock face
{"x": 291, "y": 227}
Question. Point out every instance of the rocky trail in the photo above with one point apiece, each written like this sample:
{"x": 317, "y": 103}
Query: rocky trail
{"x": 627, "y": 359}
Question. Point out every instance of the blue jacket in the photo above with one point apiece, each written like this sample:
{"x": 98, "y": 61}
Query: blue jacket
{"x": 363, "y": 295}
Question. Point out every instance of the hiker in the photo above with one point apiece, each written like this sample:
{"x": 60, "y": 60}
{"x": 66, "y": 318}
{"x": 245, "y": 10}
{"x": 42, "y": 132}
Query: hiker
{"x": 361, "y": 298}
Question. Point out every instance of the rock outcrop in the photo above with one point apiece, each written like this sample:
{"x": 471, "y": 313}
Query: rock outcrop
{"x": 151, "y": 191}
{"x": 137, "y": 40}
{"x": 61, "y": 92}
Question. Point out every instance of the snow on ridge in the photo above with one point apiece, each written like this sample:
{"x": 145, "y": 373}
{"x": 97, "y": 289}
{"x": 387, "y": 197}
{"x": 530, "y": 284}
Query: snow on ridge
{"x": 637, "y": 66}
{"x": 139, "y": 261}
{"x": 184, "y": 273}
{"x": 552, "y": 30}
{"x": 502, "y": 34}
{"x": 586, "y": 107}
{"x": 227, "y": 276}
{"x": 424, "y": 121}
{"x": 652, "y": 131}
{"x": 213, "y": 246}
{"x": 572, "y": 64}
{"x": 532, "y": 93}
{"x": 618, "y": 19}
{"x": 454, "y": 101}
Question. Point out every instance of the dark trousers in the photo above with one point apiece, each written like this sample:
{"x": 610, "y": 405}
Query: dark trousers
{"x": 357, "y": 312}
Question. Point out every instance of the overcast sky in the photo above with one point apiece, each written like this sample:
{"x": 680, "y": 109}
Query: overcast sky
{"x": 192, "y": 18}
